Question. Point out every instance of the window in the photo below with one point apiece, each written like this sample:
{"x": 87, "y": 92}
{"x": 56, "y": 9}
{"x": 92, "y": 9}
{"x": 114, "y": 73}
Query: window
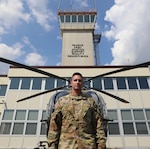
{"x": 132, "y": 83}
{"x": 5, "y": 128}
{"x": 31, "y": 128}
{"x": 21, "y": 123}
{"x": 44, "y": 115}
{"x": 43, "y": 125}
{"x": 139, "y": 120}
{"x": 74, "y": 18}
{"x": 20, "y": 115}
{"x": 67, "y": 18}
{"x": 126, "y": 115}
{"x": 14, "y": 83}
{"x": 121, "y": 83}
{"x": 62, "y": 18}
{"x": 92, "y": 18}
{"x": 49, "y": 83}
{"x": 18, "y": 128}
{"x": 3, "y": 90}
{"x": 86, "y": 18}
{"x": 138, "y": 115}
{"x": 148, "y": 114}
{"x": 143, "y": 83}
{"x": 37, "y": 82}
{"x": 112, "y": 115}
{"x": 25, "y": 83}
{"x": 43, "y": 129}
{"x": 60, "y": 82}
{"x": 97, "y": 83}
{"x": 113, "y": 128}
{"x": 33, "y": 115}
{"x": 128, "y": 128}
{"x": 80, "y": 18}
{"x": 87, "y": 83}
{"x": 141, "y": 128}
{"x": 8, "y": 114}
{"x": 108, "y": 83}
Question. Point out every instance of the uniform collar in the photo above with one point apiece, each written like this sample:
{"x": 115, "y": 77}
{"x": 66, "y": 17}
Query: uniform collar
{"x": 81, "y": 96}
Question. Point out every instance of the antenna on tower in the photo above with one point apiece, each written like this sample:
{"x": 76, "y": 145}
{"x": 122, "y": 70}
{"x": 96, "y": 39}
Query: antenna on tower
{"x": 59, "y": 5}
{"x": 71, "y": 4}
{"x": 95, "y": 4}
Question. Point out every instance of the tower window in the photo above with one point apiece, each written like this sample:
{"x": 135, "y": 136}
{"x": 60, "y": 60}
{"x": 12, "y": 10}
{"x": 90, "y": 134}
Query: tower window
{"x": 74, "y": 18}
{"x": 80, "y": 18}
{"x": 86, "y": 18}
{"x": 67, "y": 18}
{"x": 62, "y": 18}
{"x": 92, "y": 18}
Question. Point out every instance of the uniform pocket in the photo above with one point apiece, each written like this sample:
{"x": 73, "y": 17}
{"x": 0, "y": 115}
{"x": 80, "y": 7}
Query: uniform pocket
{"x": 87, "y": 113}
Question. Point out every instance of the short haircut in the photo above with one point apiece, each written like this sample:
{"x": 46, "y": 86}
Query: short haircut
{"x": 77, "y": 73}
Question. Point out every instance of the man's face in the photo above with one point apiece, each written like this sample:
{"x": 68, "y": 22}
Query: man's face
{"x": 77, "y": 82}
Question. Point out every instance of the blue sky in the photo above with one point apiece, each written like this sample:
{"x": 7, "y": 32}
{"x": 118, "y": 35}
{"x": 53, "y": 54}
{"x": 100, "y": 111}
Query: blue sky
{"x": 29, "y": 31}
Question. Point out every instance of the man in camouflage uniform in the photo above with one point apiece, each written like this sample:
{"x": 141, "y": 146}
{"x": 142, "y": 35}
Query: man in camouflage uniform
{"x": 76, "y": 121}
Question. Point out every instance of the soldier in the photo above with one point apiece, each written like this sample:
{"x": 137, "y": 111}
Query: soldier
{"x": 76, "y": 121}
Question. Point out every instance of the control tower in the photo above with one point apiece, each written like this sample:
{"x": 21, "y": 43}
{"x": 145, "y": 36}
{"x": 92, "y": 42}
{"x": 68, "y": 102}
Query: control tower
{"x": 77, "y": 30}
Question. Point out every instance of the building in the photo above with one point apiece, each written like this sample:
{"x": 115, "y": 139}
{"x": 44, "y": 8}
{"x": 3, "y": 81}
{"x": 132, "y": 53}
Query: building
{"x": 20, "y": 122}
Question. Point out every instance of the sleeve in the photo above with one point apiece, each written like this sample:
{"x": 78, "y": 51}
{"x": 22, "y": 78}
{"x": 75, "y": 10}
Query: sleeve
{"x": 55, "y": 127}
{"x": 100, "y": 134}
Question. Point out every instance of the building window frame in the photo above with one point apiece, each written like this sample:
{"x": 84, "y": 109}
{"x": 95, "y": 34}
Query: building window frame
{"x": 10, "y": 123}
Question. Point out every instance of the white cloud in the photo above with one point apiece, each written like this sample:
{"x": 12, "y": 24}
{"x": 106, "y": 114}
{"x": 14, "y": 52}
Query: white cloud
{"x": 27, "y": 42}
{"x": 9, "y": 52}
{"x": 34, "y": 59}
{"x": 130, "y": 31}
{"x": 41, "y": 13}
{"x": 11, "y": 13}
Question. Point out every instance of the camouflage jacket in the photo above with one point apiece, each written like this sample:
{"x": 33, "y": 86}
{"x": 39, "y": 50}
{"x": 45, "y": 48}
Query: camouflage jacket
{"x": 76, "y": 124}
